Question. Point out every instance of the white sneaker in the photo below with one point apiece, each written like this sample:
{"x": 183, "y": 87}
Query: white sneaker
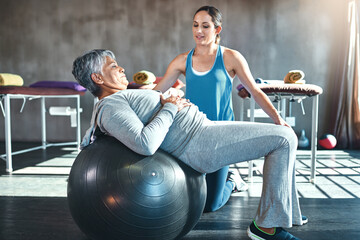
{"x": 240, "y": 185}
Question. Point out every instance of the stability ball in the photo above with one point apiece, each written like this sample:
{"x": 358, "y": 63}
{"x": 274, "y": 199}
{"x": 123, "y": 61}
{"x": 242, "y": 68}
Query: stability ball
{"x": 115, "y": 193}
{"x": 327, "y": 141}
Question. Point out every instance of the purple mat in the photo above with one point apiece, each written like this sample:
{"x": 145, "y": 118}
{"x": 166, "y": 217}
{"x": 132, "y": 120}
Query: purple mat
{"x": 59, "y": 84}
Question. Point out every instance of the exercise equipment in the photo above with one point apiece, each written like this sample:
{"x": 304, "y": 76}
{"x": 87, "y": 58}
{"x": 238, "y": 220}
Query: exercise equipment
{"x": 303, "y": 140}
{"x": 327, "y": 141}
{"x": 115, "y": 193}
{"x": 40, "y": 95}
{"x": 283, "y": 92}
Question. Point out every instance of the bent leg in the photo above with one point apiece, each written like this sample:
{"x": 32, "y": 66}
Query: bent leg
{"x": 224, "y": 143}
{"x": 218, "y": 189}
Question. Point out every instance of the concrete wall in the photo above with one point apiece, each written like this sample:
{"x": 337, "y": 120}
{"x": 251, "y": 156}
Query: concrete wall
{"x": 39, "y": 39}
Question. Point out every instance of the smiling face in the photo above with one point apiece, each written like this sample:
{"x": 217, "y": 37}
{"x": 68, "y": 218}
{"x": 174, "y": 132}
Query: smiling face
{"x": 112, "y": 79}
{"x": 204, "y": 31}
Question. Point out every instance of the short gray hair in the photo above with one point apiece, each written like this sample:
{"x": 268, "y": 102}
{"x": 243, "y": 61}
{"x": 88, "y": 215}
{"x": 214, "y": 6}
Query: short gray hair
{"x": 89, "y": 63}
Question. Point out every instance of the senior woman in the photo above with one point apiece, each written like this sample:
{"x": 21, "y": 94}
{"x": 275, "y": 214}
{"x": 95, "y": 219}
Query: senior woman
{"x": 144, "y": 120}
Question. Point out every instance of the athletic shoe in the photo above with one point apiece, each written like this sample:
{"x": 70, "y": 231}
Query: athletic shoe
{"x": 305, "y": 220}
{"x": 240, "y": 185}
{"x": 280, "y": 234}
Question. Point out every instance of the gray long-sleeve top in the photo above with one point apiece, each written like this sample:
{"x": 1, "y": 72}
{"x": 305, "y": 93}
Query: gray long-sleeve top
{"x": 137, "y": 119}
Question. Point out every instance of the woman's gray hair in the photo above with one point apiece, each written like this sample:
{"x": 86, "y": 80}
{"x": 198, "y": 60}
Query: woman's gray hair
{"x": 89, "y": 63}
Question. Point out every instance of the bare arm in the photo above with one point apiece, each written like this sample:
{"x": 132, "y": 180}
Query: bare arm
{"x": 241, "y": 68}
{"x": 175, "y": 68}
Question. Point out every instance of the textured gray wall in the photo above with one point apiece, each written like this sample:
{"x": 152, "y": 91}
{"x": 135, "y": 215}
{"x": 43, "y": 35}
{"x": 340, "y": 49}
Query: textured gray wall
{"x": 39, "y": 39}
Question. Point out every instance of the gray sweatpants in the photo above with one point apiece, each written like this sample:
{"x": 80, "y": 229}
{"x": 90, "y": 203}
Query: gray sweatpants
{"x": 223, "y": 143}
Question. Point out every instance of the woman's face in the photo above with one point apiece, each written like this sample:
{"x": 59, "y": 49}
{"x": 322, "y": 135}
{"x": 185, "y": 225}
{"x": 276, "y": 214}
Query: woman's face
{"x": 204, "y": 31}
{"x": 113, "y": 76}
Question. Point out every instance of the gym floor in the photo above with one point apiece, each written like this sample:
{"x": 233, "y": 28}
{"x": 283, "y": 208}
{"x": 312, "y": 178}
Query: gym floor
{"x": 33, "y": 202}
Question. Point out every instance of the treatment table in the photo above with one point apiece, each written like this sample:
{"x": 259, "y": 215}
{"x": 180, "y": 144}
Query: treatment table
{"x": 7, "y": 93}
{"x": 283, "y": 93}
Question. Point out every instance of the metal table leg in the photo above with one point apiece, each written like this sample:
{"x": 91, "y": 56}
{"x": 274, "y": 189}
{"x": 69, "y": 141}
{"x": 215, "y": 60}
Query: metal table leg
{"x": 9, "y": 167}
{"x": 43, "y": 123}
{"x": 314, "y": 130}
{"x": 252, "y": 119}
{"x": 78, "y": 128}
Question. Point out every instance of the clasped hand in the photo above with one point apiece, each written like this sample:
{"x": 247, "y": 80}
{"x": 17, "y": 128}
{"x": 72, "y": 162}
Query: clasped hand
{"x": 177, "y": 100}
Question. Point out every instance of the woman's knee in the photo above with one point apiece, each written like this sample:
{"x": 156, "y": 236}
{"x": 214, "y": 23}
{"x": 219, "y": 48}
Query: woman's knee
{"x": 291, "y": 137}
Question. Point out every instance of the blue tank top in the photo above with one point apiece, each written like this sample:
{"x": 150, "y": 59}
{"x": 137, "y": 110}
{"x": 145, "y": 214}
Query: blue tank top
{"x": 211, "y": 92}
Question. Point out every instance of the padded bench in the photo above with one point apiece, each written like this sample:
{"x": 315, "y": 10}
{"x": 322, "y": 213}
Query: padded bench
{"x": 282, "y": 92}
{"x": 7, "y": 93}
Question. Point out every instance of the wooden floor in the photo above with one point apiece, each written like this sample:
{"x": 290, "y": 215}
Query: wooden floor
{"x": 33, "y": 202}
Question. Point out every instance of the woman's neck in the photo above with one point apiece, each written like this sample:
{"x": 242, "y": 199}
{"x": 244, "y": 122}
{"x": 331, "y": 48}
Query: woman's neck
{"x": 206, "y": 49}
{"x": 104, "y": 94}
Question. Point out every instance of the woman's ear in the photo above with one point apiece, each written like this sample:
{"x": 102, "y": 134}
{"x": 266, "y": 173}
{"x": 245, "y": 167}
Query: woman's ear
{"x": 96, "y": 78}
{"x": 218, "y": 29}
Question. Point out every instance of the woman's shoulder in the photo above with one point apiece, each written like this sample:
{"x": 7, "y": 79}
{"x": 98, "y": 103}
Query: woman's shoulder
{"x": 128, "y": 96}
{"x": 228, "y": 52}
{"x": 128, "y": 93}
{"x": 232, "y": 56}
{"x": 179, "y": 62}
{"x": 182, "y": 56}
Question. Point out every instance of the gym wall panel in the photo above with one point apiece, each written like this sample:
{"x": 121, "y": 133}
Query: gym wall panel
{"x": 40, "y": 39}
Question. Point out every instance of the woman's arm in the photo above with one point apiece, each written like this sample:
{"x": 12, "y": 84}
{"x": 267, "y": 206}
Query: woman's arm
{"x": 121, "y": 122}
{"x": 241, "y": 68}
{"x": 175, "y": 68}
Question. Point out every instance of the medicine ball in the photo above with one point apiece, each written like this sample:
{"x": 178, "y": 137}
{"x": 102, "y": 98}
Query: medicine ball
{"x": 327, "y": 141}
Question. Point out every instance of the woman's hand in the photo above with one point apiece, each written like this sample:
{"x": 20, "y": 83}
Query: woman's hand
{"x": 174, "y": 92}
{"x": 177, "y": 100}
{"x": 281, "y": 121}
